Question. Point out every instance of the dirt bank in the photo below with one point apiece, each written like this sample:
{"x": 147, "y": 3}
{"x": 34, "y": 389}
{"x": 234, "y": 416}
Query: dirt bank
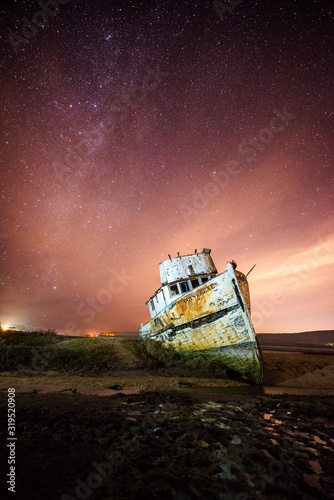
{"x": 282, "y": 367}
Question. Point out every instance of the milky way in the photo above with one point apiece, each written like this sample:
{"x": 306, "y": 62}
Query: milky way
{"x": 133, "y": 129}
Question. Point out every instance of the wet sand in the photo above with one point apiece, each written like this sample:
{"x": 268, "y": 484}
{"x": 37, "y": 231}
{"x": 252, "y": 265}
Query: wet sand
{"x": 203, "y": 442}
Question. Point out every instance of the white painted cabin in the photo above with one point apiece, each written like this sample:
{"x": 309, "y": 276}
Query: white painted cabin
{"x": 180, "y": 275}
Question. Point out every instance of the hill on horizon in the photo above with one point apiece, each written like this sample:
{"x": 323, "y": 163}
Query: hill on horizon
{"x": 301, "y": 339}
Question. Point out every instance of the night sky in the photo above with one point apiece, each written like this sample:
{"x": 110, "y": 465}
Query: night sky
{"x": 130, "y": 130}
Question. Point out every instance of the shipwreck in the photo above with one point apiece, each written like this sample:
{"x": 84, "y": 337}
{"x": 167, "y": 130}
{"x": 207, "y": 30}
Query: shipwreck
{"x": 196, "y": 310}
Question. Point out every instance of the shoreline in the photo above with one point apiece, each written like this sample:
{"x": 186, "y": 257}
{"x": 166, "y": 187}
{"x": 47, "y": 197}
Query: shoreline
{"x": 282, "y": 369}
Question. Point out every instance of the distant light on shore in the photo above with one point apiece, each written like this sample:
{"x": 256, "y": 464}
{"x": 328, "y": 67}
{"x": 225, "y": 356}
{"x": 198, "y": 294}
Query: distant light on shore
{"x": 5, "y": 328}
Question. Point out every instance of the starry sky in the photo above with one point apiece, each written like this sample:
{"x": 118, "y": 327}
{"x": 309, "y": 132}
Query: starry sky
{"x": 132, "y": 129}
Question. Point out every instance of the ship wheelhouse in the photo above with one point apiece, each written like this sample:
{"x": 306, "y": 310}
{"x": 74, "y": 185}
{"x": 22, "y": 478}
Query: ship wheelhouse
{"x": 185, "y": 286}
{"x": 180, "y": 275}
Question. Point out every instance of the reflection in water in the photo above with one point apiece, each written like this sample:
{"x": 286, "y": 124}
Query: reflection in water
{"x": 318, "y": 440}
{"x": 254, "y": 390}
{"x": 302, "y": 439}
{"x": 244, "y": 389}
{"x": 316, "y": 466}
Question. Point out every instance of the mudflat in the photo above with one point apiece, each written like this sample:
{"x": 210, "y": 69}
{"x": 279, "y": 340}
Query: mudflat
{"x": 171, "y": 437}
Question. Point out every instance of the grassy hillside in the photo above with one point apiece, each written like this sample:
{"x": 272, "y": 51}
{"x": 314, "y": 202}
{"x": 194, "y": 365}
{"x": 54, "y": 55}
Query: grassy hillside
{"x": 29, "y": 352}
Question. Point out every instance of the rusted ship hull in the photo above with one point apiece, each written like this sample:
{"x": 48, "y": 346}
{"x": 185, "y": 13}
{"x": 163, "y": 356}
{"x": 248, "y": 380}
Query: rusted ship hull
{"x": 214, "y": 321}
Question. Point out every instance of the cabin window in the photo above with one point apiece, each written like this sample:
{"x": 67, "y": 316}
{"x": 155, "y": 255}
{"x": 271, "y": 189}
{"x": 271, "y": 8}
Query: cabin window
{"x": 195, "y": 283}
{"x": 205, "y": 279}
{"x": 173, "y": 290}
{"x": 184, "y": 287}
{"x": 153, "y": 306}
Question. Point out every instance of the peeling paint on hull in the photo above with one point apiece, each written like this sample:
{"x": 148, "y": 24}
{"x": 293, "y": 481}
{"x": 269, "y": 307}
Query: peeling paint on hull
{"x": 212, "y": 320}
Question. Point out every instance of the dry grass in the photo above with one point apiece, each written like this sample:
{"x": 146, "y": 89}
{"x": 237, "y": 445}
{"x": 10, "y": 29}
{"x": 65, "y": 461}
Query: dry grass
{"x": 31, "y": 352}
